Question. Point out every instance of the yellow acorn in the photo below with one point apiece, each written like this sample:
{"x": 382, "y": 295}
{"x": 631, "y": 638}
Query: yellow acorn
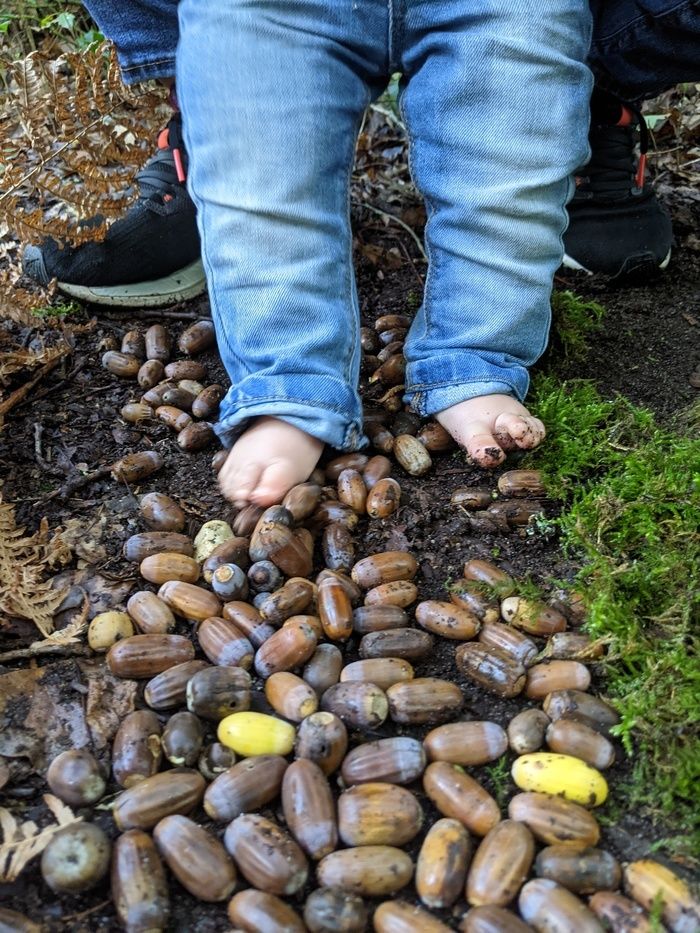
{"x": 250, "y": 734}
{"x": 560, "y": 775}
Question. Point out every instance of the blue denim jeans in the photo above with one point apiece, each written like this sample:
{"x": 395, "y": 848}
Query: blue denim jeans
{"x": 494, "y": 96}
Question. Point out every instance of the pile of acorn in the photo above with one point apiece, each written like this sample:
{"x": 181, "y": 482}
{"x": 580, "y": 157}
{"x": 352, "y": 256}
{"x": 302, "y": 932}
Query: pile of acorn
{"x": 253, "y": 772}
{"x": 316, "y": 812}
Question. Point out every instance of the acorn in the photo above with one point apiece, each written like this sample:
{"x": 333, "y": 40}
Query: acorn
{"x": 583, "y": 871}
{"x": 399, "y": 593}
{"x": 309, "y": 808}
{"x": 76, "y": 858}
{"x": 254, "y": 911}
{"x": 508, "y": 641}
{"x": 197, "y": 338}
{"x": 568, "y": 737}
{"x": 581, "y": 707}
{"x": 338, "y": 547}
{"x": 139, "y": 887}
{"x": 158, "y": 343}
{"x": 196, "y": 858}
{"x": 247, "y": 619}
{"x": 107, "y": 628}
{"x": 169, "y": 688}
{"x": 352, "y": 490}
{"x": 266, "y": 855}
{"x": 412, "y": 455}
{"x": 377, "y": 468}
{"x": 401, "y": 917}
{"x": 358, "y": 704}
{"x": 206, "y": 404}
{"x": 491, "y": 669}
{"x": 173, "y": 416}
{"x": 446, "y": 619}
{"x": 323, "y": 668}
{"x": 223, "y": 643}
{"x": 501, "y": 864}
{"x": 384, "y": 568}
{"x": 74, "y": 777}
{"x": 472, "y": 497}
{"x": 370, "y": 871}
{"x": 545, "y": 904}
{"x": 556, "y": 675}
{"x": 136, "y": 752}
{"x": 161, "y": 512}
{"x": 526, "y": 731}
{"x": 135, "y": 467}
{"x": 229, "y": 582}
{"x": 407, "y": 643}
{"x": 123, "y": 365}
{"x": 466, "y": 743}
{"x": 290, "y": 696}
{"x": 161, "y": 568}
{"x": 246, "y": 786}
{"x": 457, "y": 795}
{"x": 483, "y": 571}
{"x": 264, "y": 576}
{"x": 142, "y": 805}
{"x": 143, "y": 656}
{"x": 214, "y": 760}
{"x": 424, "y": 700}
{"x": 332, "y": 910}
{"x": 384, "y": 672}
{"x": 190, "y": 601}
{"x": 441, "y": 869}
{"x": 216, "y": 692}
{"x": 182, "y": 739}
{"x": 151, "y": 615}
{"x": 139, "y": 546}
{"x": 532, "y": 616}
{"x": 554, "y": 820}
{"x": 323, "y": 738}
{"x": 491, "y": 919}
{"x": 136, "y": 412}
{"x": 195, "y": 436}
{"x": 376, "y": 813}
{"x": 378, "y": 617}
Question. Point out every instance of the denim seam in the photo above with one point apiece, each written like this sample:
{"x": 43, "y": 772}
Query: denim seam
{"x": 148, "y": 64}
{"x": 427, "y": 386}
{"x": 247, "y": 401}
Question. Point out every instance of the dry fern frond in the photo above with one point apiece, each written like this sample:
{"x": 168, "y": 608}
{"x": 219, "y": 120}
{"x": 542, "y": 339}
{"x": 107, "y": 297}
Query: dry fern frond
{"x": 21, "y": 842}
{"x": 75, "y": 103}
{"x": 15, "y": 361}
{"x": 24, "y": 562}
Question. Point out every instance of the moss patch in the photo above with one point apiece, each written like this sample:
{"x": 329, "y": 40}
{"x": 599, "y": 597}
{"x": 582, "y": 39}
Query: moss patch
{"x": 632, "y": 504}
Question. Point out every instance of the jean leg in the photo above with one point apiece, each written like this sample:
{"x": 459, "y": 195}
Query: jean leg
{"x": 496, "y": 105}
{"x": 272, "y": 94}
{"x": 643, "y": 47}
{"x": 144, "y": 33}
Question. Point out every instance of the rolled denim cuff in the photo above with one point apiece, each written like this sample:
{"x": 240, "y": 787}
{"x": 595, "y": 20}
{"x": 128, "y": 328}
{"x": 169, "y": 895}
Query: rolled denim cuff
{"x": 136, "y": 72}
{"x": 338, "y": 425}
{"x": 458, "y": 377}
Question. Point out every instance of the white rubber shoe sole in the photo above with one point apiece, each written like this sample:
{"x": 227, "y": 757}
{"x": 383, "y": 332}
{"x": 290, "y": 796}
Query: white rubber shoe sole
{"x": 181, "y": 285}
{"x": 634, "y": 264}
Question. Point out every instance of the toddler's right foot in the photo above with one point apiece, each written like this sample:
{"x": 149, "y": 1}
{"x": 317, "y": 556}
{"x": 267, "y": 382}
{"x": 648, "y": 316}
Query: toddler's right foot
{"x": 266, "y": 461}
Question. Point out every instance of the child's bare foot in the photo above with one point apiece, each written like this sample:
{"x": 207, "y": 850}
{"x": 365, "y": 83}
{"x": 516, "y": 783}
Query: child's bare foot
{"x": 266, "y": 461}
{"x": 491, "y": 425}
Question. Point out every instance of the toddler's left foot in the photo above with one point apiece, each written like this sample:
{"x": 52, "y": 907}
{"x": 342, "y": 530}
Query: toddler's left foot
{"x": 490, "y": 426}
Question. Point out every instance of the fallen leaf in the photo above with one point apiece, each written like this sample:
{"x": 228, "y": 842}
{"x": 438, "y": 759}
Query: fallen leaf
{"x": 109, "y": 700}
{"x": 24, "y": 841}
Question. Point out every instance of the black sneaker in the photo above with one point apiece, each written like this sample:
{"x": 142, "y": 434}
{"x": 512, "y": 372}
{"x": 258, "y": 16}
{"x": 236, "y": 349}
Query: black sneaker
{"x": 616, "y": 225}
{"x": 149, "y": 257}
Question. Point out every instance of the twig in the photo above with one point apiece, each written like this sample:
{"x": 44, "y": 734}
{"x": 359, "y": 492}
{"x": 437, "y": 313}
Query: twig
{"x": 78, "y": 482}
{"x": 153, "y": 313}
{"x": 62, "y": 650}
{"x": 86, "y": 913}
{"x": 396, "y": 220}
{"x": 61, "y": 382}
{"x": 44, "y": 464}
{"x": 20, "y": 394}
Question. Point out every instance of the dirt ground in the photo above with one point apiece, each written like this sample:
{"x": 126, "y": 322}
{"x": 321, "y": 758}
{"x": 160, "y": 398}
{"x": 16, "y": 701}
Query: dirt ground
{"x": 647, "y": 350}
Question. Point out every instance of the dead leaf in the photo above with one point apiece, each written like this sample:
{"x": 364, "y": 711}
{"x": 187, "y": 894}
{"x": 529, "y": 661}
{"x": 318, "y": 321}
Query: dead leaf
{"x": 85, "y": 540}
{"x": 109, "y": 700}
{"x": 22, "y": 842}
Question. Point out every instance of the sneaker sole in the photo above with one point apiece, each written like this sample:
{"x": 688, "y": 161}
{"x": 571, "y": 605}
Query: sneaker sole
{"x": 188, "y": 282}
{"x": 643, "y": 263}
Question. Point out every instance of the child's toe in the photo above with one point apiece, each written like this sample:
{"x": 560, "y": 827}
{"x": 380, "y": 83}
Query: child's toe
{"x": 240, "y": 485}
{"x": 484, "y": 450}
{"x": 526, "y": 431}
{"x": 274, "y": 483}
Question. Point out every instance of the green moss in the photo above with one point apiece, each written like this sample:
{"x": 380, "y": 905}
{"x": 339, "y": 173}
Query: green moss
{"x": 574, "y": 321}
{"x": 632, "y": 500}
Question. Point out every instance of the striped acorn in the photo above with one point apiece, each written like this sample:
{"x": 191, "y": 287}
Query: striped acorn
{"x": 532, "y": 616}
{"x": 190, "y": 601}
{"x": 384, "y": 498}
{"x": 396, "y": 760}
{"x": 196, "y": 858}
{"x": 352, "y": 490}
{"x": 169, "y": 688}
{"x": 568, "y": 737}
{"x": 225, "y": 644}
{"x": 160, "y": 568}
{"x": 137, "y": 411}
{"x": 401, "y": 593}
{"x": 144, "y": 656}
{"x": 555, "y": 821}
{"x": 376, "y": 813}
{"x": 173, "y": 416}
{"x": 521, "y": 483}
{"x": 459, "y": 796}
{"x": 483, "y": 571}
{"x": 323, "y": 668}
{"x": 338, "y": 546}
{"x": 583, "y": 871}
{"x": 140, "y": 546}
{"x": 288, "y": 648}
{"x": 649, "y": 882}
{"x": 135, "y": 467}
{"x": 124, "y": 365}
{"x": 412, "y": 455}
{"x": 490, "y": 919}
{"x": 581, "y": 707}
{"x": 556, "y": 675}
{"x": 446, "y": 619}
{"x": 424, "y": 700}
{"x": 618, "y": 913}
{"x": 401, "y": 917}
{"x": 245, "y": 787}
{"x": 151, "y": 615}
{"x": 384, "y": 672}
{"x": 248, "y": 620}
{"x": 492, "y": 670}
{"x": 309, "y": 808}
{"x": 266, "y": 855}
{"x": 370, "y": 871}
{"x": 500, "y": 865}
{"x": 142, "y": 805}
{"x": 441, "y": 869}
{"x": 290, "y": 696}
{"x": 407, "y": 643}
{"x": 547, "y": 905}
{"x": 509, "y": 642}
{"x": 139, "y": 886}
{"x": 384, "y": 568}
{"x": 291, "y": 599}
{"x": 378, "y": 617}
{"x": 469, "y": 595}
{"x": 466, "y": 743}
{"x": 260, "y": 912}
{"x": 335, "y": 610}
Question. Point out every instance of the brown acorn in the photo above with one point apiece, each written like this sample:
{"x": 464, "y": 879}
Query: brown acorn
{"x": 225, "y": 644}
{"x": 74, "y": 777}
{"x": 469, "y": 595}
{"x": 396, "y": 760}
{"x": 309, "y": 808}
{"x": 377, "y": 468}
{"x": 158, "y": 343}
{"x": 483, "y": 571}
{"x": 408, "y": 643}
{"x": 446, "y": 619}
{"x": 335, "y": 610}
{"x": 247, "y": 619}
{"x": 246, "y": 786}
{"x": 569, "y": 737}
{"x": 441, "y": 869}
{"x": 136, "y": 412}
{"x": 168, "y": 689}
{"x": 501, "y": 864}
{"x": 182, "y": 739}
{"x": 532, "y": 616}
{"x": 142, "y": 805}
{"x": 139, "y": 886}
{"x": 135, "y": 467}
{"x": 189, "y": 601}
{"x": 556, "y": 675}
{"x": 521, "y": 483}
{"x": 526, "y": 731}
{"x": 378, "y": 617}
{"x": 195, "y": 436}
{"x": 123, "y": 365}
{"x": 254, "y": 911}
{"x": 459, "y": 796}
{"x": 581, "y": 707}
{"x": 400, "y": 593}
{"x": 140, "y": 546}
{"x": 424, "y": 700}
{"x": 509, "y": 641}
{"x": 323, "y": 738}
{"x": 358, "y": 704}
{"x": 144, "y": 656}
{"x": 352, "y": 490}
{"x": 472, "y": 497}
{"x": 583, "y": 871}
{"x": 466, "y": 743}
{"x": 384, "y": 672}
{"x": 544, "y": 904}
{"x": 290, "y": 696}
{"x": 492, "y": 670}
{"x": 402, "y": 917}
{"x": 554, "y": 820}
{"x": 338, "y": 547}
{"x": 331, "y": 910}
{"x": 196, "y": 858}
{"x": 491, "y": 919}
{"x": 161, "y": 512}
{"x": 197, "y": 338}
{"x": 384, "y": 568}
{"x": 136, "y": 752}
{"x": 216, "y": 692}
{"x": 619, "y": 914}
{"x": 412, "y": 455}
{"x": 160, "y": 568}
{"x": 323, "y": 668}
{"x": 150, "y": 374}
{"x": 266, "y": 855}
{"x": 370, "y": 871}
{"x": 351, "y": 461}
{"x": 290, "y": 647}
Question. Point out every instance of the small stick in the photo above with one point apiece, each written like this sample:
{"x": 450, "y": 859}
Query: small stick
{"x": 70, "y": 487}
{"x": 396, "y": 220}
{"x": 20, "y": 394}
{"x": 154, "y": 314}
{"x": 63, "y": 650}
